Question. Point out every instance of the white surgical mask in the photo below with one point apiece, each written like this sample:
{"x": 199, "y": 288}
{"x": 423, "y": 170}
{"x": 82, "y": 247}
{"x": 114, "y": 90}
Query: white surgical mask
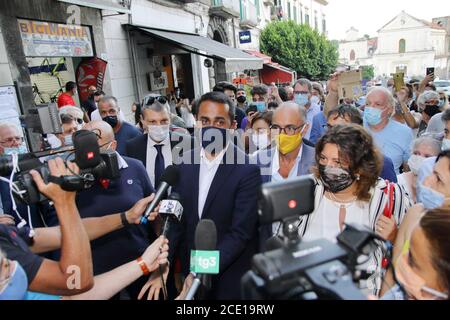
{"x": 68, "y": 140}
{"x": 158, "y": 133}
{"x": 415, "y": 162}
{"x": 445, "y": 144}
{"x": 315, "y": 100}
{"x": 260, "y": 140}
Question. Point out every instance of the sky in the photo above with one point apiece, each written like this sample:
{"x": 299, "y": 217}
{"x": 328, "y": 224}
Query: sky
{"x": 368, "y": 16}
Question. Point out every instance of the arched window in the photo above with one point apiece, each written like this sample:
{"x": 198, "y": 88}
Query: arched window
{"x": 402, "y": 46}
{"x": 352, "y": 55}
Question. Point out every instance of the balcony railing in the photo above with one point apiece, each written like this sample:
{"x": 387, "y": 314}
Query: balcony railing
{"x": 225, "y": 8}
{"x": 249, "y": 15}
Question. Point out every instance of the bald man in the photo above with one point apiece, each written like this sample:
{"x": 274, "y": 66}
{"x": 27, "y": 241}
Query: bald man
{"x": 119, "y": 195}
{"x": 290, "y": 157}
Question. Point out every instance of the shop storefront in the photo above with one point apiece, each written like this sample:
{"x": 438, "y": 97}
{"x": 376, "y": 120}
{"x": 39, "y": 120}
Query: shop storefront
{"x": 166, "y": 60}
{"x": 44, "y": 48}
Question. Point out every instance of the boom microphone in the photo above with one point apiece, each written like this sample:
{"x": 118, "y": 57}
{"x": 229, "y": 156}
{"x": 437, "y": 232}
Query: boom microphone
{"x": 168, "y": 179}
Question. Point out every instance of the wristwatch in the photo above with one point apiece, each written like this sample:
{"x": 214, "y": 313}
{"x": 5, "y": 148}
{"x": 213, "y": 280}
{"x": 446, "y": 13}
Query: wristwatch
{"x": 123, "y": 218}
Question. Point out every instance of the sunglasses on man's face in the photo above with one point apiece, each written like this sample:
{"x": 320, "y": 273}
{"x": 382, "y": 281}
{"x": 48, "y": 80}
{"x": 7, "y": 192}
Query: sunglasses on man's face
{"x": 160, "y": 99}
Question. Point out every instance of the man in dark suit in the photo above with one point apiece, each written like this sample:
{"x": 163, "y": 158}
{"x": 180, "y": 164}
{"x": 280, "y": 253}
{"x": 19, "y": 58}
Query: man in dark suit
{"x": 218, "y": 183}
{"x": 160, "y": 146}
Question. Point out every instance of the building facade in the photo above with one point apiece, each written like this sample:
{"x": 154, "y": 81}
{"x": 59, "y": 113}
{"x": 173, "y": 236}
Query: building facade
{"x": 405, "y": 44}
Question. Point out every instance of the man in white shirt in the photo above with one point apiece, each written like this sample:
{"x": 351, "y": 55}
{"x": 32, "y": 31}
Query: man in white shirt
{"x": 159, "y": 147}
{"x": 218, "y": 183}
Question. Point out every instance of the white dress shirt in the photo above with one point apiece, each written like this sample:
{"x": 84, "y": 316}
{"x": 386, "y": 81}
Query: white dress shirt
{"x": 276, "y": 177}
{"x": 208, "y": 171}
{"x": 151, "y": 156}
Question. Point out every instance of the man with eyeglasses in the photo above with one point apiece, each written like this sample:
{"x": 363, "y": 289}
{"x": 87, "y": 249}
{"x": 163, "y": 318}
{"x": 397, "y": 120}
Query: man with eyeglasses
{"x": 291, "y": 157}
{"x": 218, "y": 183}
{"x": 123, "y": 131}
{"x": 303, "y": 90}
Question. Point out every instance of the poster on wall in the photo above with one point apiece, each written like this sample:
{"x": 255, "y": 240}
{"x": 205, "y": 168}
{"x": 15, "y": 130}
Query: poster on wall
{"x": 49, "y": 39}
{"x": 90, "y": 72}
{"x": 9, "y": 105}
{"x": 158, "y": 81}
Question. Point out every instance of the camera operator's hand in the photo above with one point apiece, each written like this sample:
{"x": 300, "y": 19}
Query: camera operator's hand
{"x": 7, "y": 219}
{"x": 51, "y": 190}
{"x": 134, "y": 214}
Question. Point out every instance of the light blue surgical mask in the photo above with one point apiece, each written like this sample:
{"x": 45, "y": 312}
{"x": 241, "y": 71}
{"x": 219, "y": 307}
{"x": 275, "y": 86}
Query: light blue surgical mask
{"x": 372, "y": 115}
{"x": 68, "y": 140}
{"x": 16, "y": 288}
{"x": 441, "y": 103}
{"x": 445, "y": 144}
{"x": 302, "y": 99}
{"x": 260, "y": 106}
{"x": 430, "y": 198}
{"x": 19, "y": 150}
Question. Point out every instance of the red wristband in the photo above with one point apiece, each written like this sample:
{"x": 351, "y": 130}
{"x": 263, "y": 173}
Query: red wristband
{"x": 143, "y": 266}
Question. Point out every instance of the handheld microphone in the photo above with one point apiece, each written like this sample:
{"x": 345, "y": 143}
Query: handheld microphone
{"x": 204, "y": 259}
{"x": 168, "y": 179}
{"x": 171, "y": 210}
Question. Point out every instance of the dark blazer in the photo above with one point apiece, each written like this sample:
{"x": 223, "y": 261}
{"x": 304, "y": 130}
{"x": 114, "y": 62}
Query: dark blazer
{"x": 137, "y": 147}
{"x": 232, "y": 205}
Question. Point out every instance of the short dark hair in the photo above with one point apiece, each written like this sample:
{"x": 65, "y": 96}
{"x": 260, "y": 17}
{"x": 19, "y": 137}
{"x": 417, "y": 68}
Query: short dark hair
{"x": 266, "y": 116}
{"x": 218, "y": 97}
{"x": 283, "y": 94}
{"x": 346, "y": 111}
{"x": 260, "y": 89}
{"x": 446, "y": 115}
{"x": 70, "y": 85}
{"x": 224, "y": 85}
{"x": 240, "y": 89}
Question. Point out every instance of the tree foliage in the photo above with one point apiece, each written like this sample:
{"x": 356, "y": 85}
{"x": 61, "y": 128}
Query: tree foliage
{"x": 300, "y": 48}
{"x": 368, "y": 72}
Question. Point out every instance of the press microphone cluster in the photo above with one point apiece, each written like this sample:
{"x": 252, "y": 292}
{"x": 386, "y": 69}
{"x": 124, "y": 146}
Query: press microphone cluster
{"x": 205, "y": 258}
{"x": 169, "y": 178}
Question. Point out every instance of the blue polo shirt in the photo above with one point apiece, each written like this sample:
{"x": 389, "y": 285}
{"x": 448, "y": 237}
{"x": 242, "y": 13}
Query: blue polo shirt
{"x": 123, "y": 245}
{"x": 395, "y": 142}
{"x": 125, "y": 133}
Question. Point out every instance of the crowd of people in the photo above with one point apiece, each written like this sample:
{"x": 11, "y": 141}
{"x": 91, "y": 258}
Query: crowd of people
{"x": 383, "y": 164}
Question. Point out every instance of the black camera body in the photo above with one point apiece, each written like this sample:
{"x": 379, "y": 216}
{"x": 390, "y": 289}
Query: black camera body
{"x": 296, "y": 270}
{"x": 93, "y": 165}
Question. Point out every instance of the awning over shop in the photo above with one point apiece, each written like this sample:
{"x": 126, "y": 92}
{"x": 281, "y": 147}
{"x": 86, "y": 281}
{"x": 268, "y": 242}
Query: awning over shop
{"x": 235, "y": 60}
{"x": 273, "y": 72}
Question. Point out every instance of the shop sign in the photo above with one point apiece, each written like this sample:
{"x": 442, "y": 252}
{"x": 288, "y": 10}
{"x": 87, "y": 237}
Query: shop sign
{"x": 245, "y": 37}
{"x": 47, "y": 39}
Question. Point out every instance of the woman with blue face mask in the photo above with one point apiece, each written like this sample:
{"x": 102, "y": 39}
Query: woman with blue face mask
{"x": 432, "y": 193}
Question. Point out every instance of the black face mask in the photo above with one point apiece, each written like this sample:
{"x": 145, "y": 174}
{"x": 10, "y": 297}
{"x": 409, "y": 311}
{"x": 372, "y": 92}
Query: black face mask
{"x": 335, "y": 179}
{"x": 111, "y": 120}
{"x": 241, "y": 99}
{"x": 431, "y": 110}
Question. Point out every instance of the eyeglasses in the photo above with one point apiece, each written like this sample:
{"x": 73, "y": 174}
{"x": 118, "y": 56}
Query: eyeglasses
{"x": 7, "y": 265}
{"x": 12, "y": 139}
{"x": 160, "y": 99}
{"x": 289, "y": 130}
